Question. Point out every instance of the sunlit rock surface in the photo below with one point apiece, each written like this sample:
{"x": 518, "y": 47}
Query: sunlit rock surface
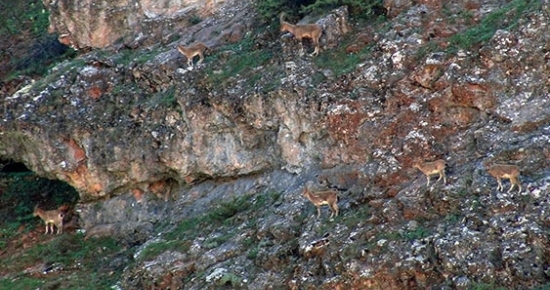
{"x": 151, "y": 146}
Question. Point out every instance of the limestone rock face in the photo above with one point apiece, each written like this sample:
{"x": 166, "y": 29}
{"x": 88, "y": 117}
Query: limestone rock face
{"x": 96, "y": 24}
{"x": 212, "y": 160}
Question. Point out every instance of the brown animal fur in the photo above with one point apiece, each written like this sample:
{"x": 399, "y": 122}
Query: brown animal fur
{"x": 431, "y": 168}
{"x": 320, "y": 198}
{"x": 511, "y": 172}
{"x": 301, "y": 31}
{"x": 50, "y": 218}
{"x": 193, "y": 50}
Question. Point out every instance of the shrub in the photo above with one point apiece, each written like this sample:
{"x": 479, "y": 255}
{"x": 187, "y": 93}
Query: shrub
{"x": 270, "y": 9}
{"x": 357, "y": 8}
{"x": 29, "y": 48}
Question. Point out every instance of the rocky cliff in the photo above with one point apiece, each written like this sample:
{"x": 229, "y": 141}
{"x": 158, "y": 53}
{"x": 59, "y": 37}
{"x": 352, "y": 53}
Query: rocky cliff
{"x": 208, "y": 164}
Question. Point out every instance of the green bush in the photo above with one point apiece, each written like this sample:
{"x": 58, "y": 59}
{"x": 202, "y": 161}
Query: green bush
{"x": 270, "y": 10}
{"x": 23, "y": 17}
{"x": 356, "y": 8}
{"x": 195, "y": 19}
{"x": 30, "y": 49}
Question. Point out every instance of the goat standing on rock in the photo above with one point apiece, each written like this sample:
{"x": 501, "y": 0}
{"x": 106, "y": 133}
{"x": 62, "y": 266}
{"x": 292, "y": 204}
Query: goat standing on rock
{"x": 320, "y": 198}
{"x": 301, "y": 31}
{"x": 431, "y": 168}
{"x": 193, "y": 50}
{"x": 50, "y": 218}
{"x": 499, "y": 171}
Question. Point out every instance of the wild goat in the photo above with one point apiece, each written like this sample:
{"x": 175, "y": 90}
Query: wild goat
{"x": 50, "y": 218}
{"x": 301, "y": 31}
{"x": 320, "y": 198}
{"x": 193, "y": 50}
{"x": 431, "y": 168}
{"x": 499, "y": 171}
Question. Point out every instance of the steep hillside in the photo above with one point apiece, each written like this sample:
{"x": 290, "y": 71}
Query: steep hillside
{"x": 193, "y": 178}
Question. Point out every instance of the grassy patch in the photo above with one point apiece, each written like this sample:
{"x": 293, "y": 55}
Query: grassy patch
{"x": 229, "y": 279}
{"x": 221, "y": 218}
{"x": 365, "y": 9}
{"x": 154, "y": 249}
{"x": 27, "y": 47}
{"x": 506, "y": 17}
{"x": 486, "y": 286}
{"x": 23, "y": 17}
{"x": 216, "y": 241}
{"x": 359, "y": 215}
{"x": 77, "y": 261}
{"x": 223, "y": 214}
{"x": 416, "y": 234}
{"x": 21, "y": 283}
{"x": 244, "y": 61}
{"x": 338, "y": 61}
{"x": 22, "y": 192}
{"x": 195, "y": 19}
{"x": 167, "y": 98}
{"x": 128, "y": 56}
{"x": 66, "y": 68}
{"x": 452, "y": 218}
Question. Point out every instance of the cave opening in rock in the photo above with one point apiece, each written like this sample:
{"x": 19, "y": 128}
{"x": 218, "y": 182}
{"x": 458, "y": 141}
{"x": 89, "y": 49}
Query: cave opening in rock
{"x": 21, "y": 190}
{"x": 13, "y": 167}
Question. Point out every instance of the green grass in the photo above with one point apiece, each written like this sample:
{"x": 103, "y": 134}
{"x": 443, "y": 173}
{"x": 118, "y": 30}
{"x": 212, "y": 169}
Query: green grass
{"x": 24, "y": 191}
{"x": 221, "y": 218}
{"x": 33, "y": 51}
{"x": 21, "y": 283}
{"x": 213, "y": 242}
{"x": 128, "y": 56}
{"x": 219, "y": 224}
{"x": 417, "y": 234}
{"x": 241, "y": 62}
{"x": 20, "y": 192}
{"x": 23, "y": 17}
{"x": 67, "y": 68}
{"x": 229, "y": 279}
{"x": 167, "y": 98}
{"x": 155, "y": 249}
{"x": 195, "y": 19}
{"x": 82, "y": 264}
{"x": 486, "y": 286}
{"x": 64, "y": 249}
{"x": 506, "y": 18}
{"x": 338, "y": 61}
{"x": 359, "y": 215}
{"x": 269, "y": 10}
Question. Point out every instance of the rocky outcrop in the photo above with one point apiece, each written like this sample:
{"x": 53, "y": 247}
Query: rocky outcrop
{"x": 92, "y": 24}
{"x": 233, "y": 153}
{"x": 260, "y": 132}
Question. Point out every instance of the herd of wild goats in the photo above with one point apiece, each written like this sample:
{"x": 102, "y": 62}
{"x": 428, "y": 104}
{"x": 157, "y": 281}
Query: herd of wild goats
{"x": 330, "y": 197}
{"x": 311, "y": 31}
